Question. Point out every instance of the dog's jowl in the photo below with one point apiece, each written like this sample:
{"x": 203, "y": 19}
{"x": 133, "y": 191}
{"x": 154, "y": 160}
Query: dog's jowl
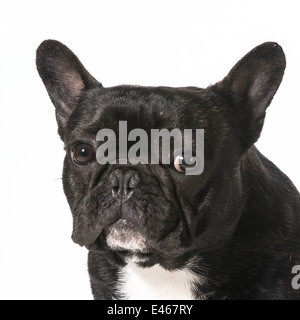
{"x": 229, "y": 231}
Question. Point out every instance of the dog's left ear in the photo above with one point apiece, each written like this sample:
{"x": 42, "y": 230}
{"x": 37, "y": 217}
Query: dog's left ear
{"x": 64, "y": 77}
{"x": 250, "y": 87}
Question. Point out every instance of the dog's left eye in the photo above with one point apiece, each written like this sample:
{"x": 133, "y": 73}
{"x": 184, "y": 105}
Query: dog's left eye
{"x": 83, "y": 153}
{"x": 180, "y": 164}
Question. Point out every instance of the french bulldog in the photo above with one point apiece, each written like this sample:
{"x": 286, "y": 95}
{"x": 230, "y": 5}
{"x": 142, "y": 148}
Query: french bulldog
{"x": 153, "y": 231}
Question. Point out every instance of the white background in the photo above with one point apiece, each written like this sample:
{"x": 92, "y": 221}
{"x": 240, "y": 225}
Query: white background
{"x": 173, "y": 43}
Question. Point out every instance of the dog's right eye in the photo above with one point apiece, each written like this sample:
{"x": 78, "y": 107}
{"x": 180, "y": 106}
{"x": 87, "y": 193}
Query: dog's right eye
{"x": 83, "y": 153}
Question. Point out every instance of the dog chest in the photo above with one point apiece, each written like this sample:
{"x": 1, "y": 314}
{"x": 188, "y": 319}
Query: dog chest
{"x": 156, "y": 283}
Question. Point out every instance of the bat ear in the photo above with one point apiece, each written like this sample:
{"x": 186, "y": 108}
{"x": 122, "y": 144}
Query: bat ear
{"x": 64, "y": 77}
{"x": 250, "y": 87}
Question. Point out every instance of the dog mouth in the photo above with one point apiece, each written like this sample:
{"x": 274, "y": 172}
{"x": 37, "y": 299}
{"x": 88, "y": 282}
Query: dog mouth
{"x": 124, "y": 235}
{"x": 121, "y": 235}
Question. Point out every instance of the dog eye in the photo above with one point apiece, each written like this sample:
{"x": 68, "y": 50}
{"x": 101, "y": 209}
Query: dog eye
{"x": 83, "y": 154}
{"x": 180, "y": 164}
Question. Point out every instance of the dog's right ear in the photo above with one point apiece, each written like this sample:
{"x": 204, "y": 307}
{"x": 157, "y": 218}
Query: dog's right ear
{"x": 64, "y": 77}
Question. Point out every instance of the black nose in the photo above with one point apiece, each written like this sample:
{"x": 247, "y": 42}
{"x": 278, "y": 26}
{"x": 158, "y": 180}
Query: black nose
{"x": 124, "y": 183}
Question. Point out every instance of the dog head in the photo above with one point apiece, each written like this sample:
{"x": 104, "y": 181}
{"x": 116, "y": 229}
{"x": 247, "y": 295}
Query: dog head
{"x": 156, "y": 208}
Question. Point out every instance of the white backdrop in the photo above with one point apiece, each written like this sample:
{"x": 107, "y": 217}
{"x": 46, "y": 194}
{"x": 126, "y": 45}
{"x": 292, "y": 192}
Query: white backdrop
{"x": 155, "y": 42}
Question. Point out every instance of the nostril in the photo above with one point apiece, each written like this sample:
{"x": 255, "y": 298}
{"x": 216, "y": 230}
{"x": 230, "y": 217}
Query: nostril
{"x": 116, "y": 182}
{"x": 115, "y": 190}
{"x": 115, "y": 185}
{"x": 135, "y": 181}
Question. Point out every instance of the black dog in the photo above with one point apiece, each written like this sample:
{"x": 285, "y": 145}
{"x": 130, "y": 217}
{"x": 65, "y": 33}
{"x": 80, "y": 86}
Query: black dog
{"x": 231, "y": 232}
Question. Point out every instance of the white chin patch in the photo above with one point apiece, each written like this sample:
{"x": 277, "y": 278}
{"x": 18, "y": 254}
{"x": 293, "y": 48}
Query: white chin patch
{"x": 121, "y": 235}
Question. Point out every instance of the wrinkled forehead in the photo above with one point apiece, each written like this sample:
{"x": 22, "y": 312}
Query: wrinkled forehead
{"x": 144, "y": 108}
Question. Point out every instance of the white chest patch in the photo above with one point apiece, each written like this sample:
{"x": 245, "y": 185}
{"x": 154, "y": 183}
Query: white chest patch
{"x": 156, "y": 283}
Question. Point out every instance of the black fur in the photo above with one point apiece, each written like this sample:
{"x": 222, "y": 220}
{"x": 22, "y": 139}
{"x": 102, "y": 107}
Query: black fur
{"x": 240, "y": 217}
